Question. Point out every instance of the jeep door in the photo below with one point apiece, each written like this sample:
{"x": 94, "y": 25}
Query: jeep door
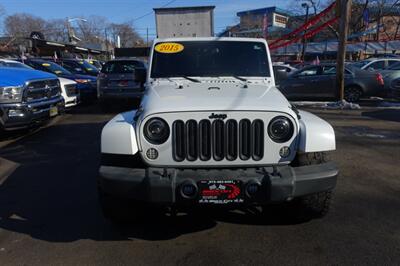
{"x": 303, "y": 84}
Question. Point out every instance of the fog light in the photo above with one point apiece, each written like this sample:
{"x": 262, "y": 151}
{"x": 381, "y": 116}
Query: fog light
{"x": 189, "y": 190}
{"x": 14, "y": 113}
{"x": 284, "y": 152}
{"x": 152, "y": 154}
{"x": 252, "y": 188}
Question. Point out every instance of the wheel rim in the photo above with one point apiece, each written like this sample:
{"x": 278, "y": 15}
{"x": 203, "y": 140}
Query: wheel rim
{"x": 352, "y": 94}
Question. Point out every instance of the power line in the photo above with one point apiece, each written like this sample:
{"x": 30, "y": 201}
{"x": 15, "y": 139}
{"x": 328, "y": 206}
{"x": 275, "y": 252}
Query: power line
{"x": 150, "y": 13}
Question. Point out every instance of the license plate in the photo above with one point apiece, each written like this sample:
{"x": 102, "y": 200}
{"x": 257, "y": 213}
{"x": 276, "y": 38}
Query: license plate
{"x": 53, "y": 111}
{"x": 220, "y": 191}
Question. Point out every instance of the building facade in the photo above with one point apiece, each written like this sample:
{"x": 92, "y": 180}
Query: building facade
{"x": 252, "y": 23}
{"x": 185, "y": 21}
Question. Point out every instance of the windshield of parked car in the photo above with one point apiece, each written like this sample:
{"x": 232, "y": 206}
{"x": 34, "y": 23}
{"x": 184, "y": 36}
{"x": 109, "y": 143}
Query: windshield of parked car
{"x": 13, "y": 64}
{"x": 54, "y": 68}
{"x": 121, "y": 67}
{"x": 210, "y": 58}
{"x": 88, "y": 67}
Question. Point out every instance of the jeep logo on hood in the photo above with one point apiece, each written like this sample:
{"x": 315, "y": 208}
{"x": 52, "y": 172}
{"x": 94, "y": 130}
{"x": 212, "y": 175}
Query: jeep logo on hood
{"x": 218, "y": 116}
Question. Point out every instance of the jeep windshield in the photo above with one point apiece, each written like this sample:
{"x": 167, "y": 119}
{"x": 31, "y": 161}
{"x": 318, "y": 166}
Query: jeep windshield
{"x": 212, "y": 59}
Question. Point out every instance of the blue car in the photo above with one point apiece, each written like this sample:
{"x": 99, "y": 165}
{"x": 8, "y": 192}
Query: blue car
{"x": 28, "y": 97}
{"x": 86, "y": 84}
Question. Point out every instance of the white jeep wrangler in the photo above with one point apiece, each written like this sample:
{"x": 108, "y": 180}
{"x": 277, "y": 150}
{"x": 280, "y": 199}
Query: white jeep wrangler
{"x": 212, "y": 129}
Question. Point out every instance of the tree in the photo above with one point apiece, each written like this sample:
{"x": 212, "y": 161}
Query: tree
{"x": 22, "y": 24}
{"x": 129, "y": 37}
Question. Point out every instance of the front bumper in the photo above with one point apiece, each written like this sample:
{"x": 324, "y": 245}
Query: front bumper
{"x": 163, "y": 186}
{"x": 23, "y": 115}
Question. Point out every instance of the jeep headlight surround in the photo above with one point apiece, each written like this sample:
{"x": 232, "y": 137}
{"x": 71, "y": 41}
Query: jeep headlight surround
{"x": 156, "y": 131}
{"x": 11, "y": 94}
{"x": 280, "y": 129}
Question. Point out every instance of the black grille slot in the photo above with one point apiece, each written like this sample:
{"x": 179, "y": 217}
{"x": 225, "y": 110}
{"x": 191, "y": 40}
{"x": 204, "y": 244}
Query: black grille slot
{"x": 205, "y": 140}
{"x": 178, "y": 138}
{"x": 257, "y": 132}
{"x": 191, "y": 137}
{"x": 218, "y": 140}
{"x": 231, "y": 140}
{"x": 245, "y": 139}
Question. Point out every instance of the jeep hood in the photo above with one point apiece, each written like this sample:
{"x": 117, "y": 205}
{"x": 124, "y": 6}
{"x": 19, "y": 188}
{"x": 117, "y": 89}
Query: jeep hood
{"x": 230, "y": 96}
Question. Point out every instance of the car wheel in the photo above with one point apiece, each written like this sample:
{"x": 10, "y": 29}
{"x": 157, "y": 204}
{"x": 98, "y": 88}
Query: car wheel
{"x": 315, "y": 205}
{"x": 352, "y": 94}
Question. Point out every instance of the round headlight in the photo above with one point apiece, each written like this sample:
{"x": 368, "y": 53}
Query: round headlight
{"x": 156, "y": 131}
{"x": 280, "y": 129}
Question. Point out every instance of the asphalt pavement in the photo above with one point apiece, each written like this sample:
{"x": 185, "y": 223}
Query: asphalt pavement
{"x": 49, "y": 213}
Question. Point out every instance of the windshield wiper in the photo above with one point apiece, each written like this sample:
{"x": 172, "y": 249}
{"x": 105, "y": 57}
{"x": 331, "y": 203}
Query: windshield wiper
{"x": 191, "y": 79}
{"x": 240, "y": 78}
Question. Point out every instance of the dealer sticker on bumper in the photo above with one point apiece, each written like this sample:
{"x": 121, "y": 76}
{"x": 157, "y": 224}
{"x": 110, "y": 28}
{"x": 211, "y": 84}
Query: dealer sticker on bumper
{"x": 220, "y": 191}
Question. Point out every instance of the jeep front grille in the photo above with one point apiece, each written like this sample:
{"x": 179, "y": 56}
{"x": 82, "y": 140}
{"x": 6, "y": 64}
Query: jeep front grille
{"x": 42, "y": 90}
{"x": 230, "y": 140}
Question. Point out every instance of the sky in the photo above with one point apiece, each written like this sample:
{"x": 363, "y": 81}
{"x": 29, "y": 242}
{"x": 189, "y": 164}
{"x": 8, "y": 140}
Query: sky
{"x": 128, "y": 10}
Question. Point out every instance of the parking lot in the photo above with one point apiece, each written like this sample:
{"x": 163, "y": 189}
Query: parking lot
{"x": 49, "y": 211}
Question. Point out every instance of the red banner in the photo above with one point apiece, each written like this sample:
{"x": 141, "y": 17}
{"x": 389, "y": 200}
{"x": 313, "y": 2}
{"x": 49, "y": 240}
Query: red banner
{"x": 307, "y": 35}
{"x": 305, "y": 26}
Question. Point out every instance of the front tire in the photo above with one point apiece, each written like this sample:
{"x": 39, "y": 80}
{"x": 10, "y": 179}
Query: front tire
{"x": 315, "y": 205}
{"x": 352, "y": 94}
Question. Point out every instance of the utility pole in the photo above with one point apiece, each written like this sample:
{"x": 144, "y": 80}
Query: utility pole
{"x": 147, "y": 36}
{"x": 345, "y": 8}
{"x": 303, "y": 51}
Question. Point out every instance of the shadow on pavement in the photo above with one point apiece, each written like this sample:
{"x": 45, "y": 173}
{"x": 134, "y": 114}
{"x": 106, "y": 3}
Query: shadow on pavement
{"x": 52, "y": 195}
{"x": 385, "y": 114}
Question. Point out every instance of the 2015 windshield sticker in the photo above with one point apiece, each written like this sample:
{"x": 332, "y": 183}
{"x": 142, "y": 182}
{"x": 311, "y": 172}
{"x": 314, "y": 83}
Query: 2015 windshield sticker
{"x": 169, "y": 48}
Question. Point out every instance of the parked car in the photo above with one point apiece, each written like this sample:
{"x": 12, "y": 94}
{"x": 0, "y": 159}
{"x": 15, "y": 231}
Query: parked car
{"x": 282, "y": 71}
{"x": 391, "y": 77}
{"x": 97, "y": 63}
{"x": 121, "y": 79}
{"x": 69, "y": 92}
{"x": 13, "y": 63}
{"x": 376, "y": 63}
{"x": 319, "y": 83}
{"x": 68, "y": 87}
{"x": 28, "y": 97}
{"x": 214, "y": 130}
{"x": 86, "y": 85}
{"x": 78, "y": 66}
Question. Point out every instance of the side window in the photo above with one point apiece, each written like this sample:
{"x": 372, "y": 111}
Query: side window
{"x": 377, "y": 65}
{"x": 313, "y": 71}
{"x": 392, "y": 62}
{"x": 329, "y": 70}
